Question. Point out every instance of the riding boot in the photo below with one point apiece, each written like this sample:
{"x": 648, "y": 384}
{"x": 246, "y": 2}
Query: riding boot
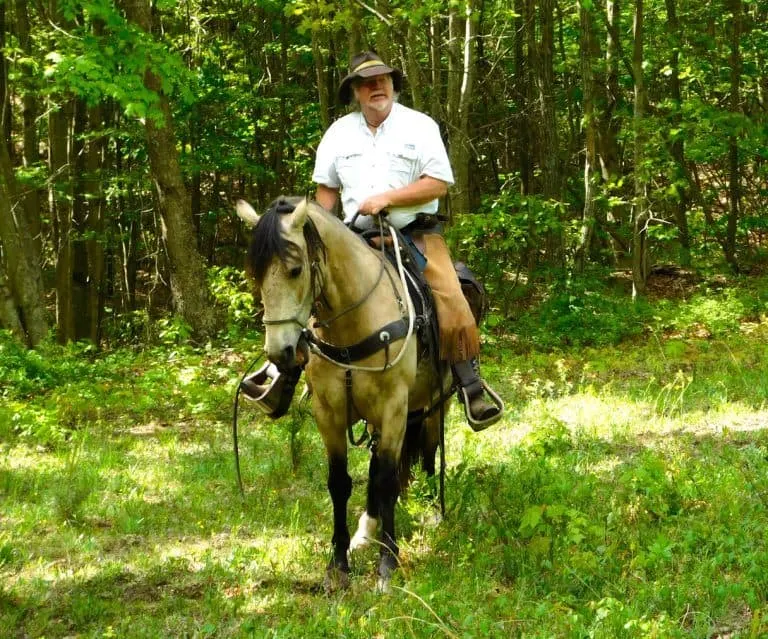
{"x": 480, "y": 412}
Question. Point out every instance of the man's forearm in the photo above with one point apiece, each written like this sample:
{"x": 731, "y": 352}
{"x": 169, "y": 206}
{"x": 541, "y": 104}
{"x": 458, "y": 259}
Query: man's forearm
{"x": 425, "y": 189}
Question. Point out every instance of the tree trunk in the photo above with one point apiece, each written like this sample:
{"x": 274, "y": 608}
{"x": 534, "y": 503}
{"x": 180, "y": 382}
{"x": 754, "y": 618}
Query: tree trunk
{"x": 5, "y": 93}
{"x": 609, "y": 125}
{"x": 548, "y": 137}
{"x": 461, "y": 76}
{"x": 60, "y": 199}
{"x": 355, "y": 41}
{"x": 591, "y": 173}
{"x": 412, "y": 65}
{"x": 521, "y": 90}
{"x": 80, "y": 281}
{"x": 734, "y": 170}
{"x": 641, "y": 205}
{"x": 95, "y": 245}
{"x": 31, "y": 149}
{"x": 677, "y": 148}
{"x": 22, "y": 261}
{"x": 384, "y": 45}
{"x": 9, "y": 314}
{"x": 188, "y": 278}
{"x": 323, "y": 95}
{"x": 436, "y": 68}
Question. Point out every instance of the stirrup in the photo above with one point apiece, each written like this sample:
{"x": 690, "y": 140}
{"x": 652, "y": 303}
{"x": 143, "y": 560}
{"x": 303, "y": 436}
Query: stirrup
{"x": 475, "y": 424}
{"x": 270, "y": 389}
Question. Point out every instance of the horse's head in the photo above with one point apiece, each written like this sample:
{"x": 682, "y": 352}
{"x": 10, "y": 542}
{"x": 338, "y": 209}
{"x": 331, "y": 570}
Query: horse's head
{"x": 283, "y": 260}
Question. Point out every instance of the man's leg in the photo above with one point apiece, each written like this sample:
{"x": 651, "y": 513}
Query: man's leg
{"x": 459, "y": 336}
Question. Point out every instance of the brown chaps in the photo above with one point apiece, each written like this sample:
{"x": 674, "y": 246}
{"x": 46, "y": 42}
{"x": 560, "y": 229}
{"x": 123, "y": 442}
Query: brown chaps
{"x": 459, "y": 336}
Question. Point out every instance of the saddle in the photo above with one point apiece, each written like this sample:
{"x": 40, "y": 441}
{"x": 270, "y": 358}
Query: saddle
{"x": 414, "y": 263}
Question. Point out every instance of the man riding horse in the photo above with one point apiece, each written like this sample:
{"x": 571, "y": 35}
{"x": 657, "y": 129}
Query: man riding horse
{"x": 389, "y": 159}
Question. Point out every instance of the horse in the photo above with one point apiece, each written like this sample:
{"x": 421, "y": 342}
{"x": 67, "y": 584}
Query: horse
{"x": 323, "y": 286}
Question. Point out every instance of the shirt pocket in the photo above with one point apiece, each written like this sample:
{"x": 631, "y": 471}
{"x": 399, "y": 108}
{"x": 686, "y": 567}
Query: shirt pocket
{"x": 402, "y": 164}
{"x": 348, "y": 167}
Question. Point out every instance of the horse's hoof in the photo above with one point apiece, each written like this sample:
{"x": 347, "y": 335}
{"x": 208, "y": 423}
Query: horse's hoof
{"x": 384, "y": 585}
{"x": 366, "y": 530}
{"x": 335, "y": 579}
{"x": 387, "y": 565}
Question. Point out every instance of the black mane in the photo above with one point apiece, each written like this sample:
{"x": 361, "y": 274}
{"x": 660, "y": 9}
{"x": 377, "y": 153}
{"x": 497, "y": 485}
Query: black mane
{"x": 267, "y": 241}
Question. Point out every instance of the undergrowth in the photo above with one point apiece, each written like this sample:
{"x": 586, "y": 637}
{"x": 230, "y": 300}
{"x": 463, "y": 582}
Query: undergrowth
{"x": 624, "y": 494}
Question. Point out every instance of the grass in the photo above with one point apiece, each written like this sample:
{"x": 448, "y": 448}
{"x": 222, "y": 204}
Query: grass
{"x": 625, "y": 494}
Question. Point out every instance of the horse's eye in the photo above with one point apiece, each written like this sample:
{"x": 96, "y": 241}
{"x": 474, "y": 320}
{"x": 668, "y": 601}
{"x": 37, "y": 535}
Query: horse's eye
{"x": 295, "y": 272}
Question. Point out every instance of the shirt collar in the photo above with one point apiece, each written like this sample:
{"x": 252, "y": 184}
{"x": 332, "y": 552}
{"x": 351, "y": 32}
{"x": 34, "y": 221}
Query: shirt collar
{"x": 384, "y": 125}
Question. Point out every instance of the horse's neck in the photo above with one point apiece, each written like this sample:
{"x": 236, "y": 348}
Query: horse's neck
{"x": 353, "y": 271}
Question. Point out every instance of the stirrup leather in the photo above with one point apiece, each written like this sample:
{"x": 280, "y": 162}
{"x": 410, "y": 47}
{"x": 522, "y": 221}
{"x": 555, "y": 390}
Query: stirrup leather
{"x": 478, "y": 425}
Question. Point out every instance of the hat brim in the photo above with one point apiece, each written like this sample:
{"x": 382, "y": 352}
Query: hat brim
{"x": 345, "y": 88}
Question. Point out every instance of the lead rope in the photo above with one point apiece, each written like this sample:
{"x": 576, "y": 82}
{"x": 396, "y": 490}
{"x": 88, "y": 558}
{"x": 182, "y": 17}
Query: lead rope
{"x": 234, "y": 425}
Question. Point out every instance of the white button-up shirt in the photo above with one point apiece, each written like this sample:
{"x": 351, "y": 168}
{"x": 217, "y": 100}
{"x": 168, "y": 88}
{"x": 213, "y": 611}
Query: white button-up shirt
{"x": 406, "y": 146}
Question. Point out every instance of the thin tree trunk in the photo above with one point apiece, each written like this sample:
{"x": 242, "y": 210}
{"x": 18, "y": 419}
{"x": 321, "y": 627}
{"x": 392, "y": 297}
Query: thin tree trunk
{"x": 80, "y": 281}
{"x": 5, "y": 93}
{"x": 608, "y": 131}
{"x": 521, "y": 91}
{"x": 734, "y": 170}
{"x": 641, "y": 205}
{"x": 460, "y": 94}
{"x": 384, "y": 45}
{"x": 323, "y": 95}
{"x": 548, "y": 137}
{"x": 677, "y": 149}
{"x": 95, "y": 245}
{"x": 355, "y": 40}
{"x": 412, "y": 65}
{"x": 591, "y": 172}
{"x": 436, "y": 68}
{"x": 60, "y": 198}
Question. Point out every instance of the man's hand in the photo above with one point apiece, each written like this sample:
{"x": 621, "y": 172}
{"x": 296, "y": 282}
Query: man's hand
{"x": 374, "y": 205}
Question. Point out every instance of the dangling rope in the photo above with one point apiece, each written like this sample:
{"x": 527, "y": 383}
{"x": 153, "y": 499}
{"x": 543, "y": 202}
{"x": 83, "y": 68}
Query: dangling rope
{"x": 238, "y": 390}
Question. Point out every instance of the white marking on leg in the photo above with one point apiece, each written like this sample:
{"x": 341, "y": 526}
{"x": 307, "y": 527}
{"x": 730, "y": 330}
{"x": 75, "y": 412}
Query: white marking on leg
{"x": 366, "y": 531}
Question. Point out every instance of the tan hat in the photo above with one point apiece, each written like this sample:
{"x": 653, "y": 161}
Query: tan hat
{"x": 367, "y": 65}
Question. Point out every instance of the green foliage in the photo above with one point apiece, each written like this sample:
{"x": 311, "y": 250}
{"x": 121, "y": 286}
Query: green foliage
{"x": 231, "y": 290}
{"x": 581, "y": 312}
{"x": 717, "y": 311}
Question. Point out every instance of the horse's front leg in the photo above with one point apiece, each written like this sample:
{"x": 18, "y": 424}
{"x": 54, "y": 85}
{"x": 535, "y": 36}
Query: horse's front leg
{"x": 384, "y": 487}
{"x": 340, "y": 488}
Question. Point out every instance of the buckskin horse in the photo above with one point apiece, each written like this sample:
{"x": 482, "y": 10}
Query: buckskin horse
{"x": 323, "y": 286}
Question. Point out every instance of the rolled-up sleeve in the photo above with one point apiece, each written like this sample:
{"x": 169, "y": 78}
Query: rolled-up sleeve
{"x": 325, "y": 163}
{"x": 434, "y": 158}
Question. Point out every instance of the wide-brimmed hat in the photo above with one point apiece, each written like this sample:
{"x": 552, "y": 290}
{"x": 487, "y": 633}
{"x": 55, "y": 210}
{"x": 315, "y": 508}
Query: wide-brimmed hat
{"x": 367, "y": 65}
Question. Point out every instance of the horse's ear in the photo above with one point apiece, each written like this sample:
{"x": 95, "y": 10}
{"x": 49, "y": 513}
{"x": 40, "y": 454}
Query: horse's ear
{"x": 246, "y": 213}
{"x": 299, "y": 215}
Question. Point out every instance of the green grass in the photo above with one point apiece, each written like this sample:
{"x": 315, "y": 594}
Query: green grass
{"x": 625, "y": 494}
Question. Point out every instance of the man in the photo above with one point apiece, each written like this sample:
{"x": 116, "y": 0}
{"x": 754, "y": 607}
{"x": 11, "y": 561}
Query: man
{"x": 388, "y": 158}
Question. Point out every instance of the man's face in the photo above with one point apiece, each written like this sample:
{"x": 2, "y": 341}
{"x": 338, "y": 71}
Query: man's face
{"x": 375, "y": 94}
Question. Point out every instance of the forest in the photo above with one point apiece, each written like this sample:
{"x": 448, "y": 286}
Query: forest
{"x": 614, "y": 135}
{"x": 610, "y": 163}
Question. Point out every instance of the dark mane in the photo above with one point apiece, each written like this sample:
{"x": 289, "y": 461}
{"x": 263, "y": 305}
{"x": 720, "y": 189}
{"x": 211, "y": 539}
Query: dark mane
{"x": 267, "y": 241}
